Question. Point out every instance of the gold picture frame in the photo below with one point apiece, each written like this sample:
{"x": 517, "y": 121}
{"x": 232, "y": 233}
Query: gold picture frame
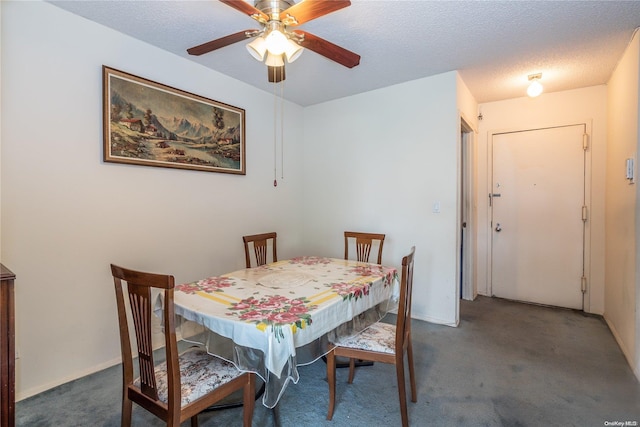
{"x": 150, "y": 124}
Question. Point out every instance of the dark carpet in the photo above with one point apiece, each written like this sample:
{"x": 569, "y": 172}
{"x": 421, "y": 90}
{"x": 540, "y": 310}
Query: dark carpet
{"x": 507, "y": 364}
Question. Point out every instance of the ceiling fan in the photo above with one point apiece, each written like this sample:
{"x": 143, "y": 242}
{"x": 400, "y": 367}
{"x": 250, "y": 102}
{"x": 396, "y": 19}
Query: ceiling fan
{"x": 274, "y": 41}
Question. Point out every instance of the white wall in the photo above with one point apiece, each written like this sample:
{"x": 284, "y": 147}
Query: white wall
{"x": 467, "y": 104}
{"x": 66, "y": 215}
{"x": 550, "y": 109}
{"x": 622, "y": 299}
{"x": 377, "y": 162}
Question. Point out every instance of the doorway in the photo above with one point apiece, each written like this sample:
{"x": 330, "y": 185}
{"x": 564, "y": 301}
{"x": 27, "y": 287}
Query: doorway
{"x": 467, "y": 286}
{"x": 538, "y": 215}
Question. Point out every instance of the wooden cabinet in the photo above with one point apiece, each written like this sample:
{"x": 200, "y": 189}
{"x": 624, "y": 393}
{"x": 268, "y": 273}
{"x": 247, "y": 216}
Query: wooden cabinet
{"x": 7, "y": 349}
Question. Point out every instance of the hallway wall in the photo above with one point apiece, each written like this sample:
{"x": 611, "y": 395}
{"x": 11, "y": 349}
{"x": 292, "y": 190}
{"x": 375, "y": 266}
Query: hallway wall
{"x": 622, "y": 296}
{"x": 549, "y": 109}
{"x": 407, "y": 137}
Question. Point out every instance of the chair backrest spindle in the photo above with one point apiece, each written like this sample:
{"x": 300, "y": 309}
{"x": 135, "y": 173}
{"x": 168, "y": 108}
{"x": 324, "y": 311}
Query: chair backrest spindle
{"x": 139, "y": 299}
{"x": 364, "y": 242}
{"x": 260, "y": 248}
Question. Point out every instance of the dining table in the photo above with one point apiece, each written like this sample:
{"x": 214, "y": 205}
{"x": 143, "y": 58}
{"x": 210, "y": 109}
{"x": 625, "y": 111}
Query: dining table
{"x": 273, "y": 318}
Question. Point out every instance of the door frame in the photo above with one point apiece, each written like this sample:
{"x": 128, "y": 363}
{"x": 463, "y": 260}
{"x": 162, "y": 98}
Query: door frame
{"x": 587, "y": 124}
{"x": 467, "y": 283}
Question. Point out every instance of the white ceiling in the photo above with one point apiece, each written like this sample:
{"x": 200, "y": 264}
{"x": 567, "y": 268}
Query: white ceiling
{"x": 494, "y": 45}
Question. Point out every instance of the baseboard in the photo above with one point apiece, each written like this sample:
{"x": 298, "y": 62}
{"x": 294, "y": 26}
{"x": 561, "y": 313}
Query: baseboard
{"x": 25, "y": 394}
{"x": 436, "y": 320}
{"x": 627, "y": 354}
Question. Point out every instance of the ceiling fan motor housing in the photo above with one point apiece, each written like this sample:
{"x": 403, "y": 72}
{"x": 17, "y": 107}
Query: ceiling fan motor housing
{"x": 272, "y": 8}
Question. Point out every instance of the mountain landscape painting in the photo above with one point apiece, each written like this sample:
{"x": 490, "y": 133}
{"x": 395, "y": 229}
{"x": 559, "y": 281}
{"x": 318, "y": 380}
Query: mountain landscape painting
{"x": 147, "y": 123}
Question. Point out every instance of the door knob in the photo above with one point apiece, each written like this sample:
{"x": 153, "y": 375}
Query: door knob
{"x": 498, "y": 228}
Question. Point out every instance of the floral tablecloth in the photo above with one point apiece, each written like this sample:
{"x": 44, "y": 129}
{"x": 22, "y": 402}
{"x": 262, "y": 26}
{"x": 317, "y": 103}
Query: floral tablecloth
{"x": 270, "y": 311}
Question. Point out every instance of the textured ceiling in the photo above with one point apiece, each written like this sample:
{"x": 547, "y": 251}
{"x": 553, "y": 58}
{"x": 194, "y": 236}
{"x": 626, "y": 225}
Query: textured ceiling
{"x": 494, "y": 45}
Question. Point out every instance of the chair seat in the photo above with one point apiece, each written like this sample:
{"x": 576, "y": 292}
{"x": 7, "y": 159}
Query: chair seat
{"x": 200, "y": 373}
{"x": 380, "y": 337}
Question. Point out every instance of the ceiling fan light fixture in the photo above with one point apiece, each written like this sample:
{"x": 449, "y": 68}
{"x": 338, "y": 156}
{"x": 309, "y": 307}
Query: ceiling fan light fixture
{"x": 535, "y": 87}
{"x": 276, "y": 42}
{"x": 257, "y": 48}
{"x": 274, "y": 60}
{"x": 292, "y": 51}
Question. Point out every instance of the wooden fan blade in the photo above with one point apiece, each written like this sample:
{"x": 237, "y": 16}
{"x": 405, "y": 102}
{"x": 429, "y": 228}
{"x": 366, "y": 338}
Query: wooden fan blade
{"x": 218, "y": 43}
{"x": 329, "y": 50}
{"x": 276, "y": 74}
{"x": 307, "y": 10}
{"x": 247, "y": 9}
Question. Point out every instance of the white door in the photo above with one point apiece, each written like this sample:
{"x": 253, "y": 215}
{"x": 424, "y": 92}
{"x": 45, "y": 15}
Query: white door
{"x": 538, "y": 195}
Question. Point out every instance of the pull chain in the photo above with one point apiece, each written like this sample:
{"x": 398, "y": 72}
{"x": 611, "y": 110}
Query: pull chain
{"x": 275, "y": 114}
{"x": 275, "y": 130}
{"x": 282, "y": 130}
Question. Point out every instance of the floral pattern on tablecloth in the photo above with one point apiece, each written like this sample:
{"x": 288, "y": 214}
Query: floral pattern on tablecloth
{"x": 368, "y": 270}
{"x": 360, "y": 287}
{"x": 309, "y": 260}
{"x": 210, "y": 284}
{"x": 274, "y": 310}
{"x": 349, "y": 290}
{"x": 277, "y": 308}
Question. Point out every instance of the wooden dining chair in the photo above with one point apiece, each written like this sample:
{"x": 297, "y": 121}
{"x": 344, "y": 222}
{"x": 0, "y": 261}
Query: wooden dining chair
{"x": 259, "y": 242}
{"x": 381, "y": 342}
{"x": 184, "y": 384}
{"x": 364, "y": 243}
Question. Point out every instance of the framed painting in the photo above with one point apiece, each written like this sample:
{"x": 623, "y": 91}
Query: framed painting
{"x": 150, "y": 124}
